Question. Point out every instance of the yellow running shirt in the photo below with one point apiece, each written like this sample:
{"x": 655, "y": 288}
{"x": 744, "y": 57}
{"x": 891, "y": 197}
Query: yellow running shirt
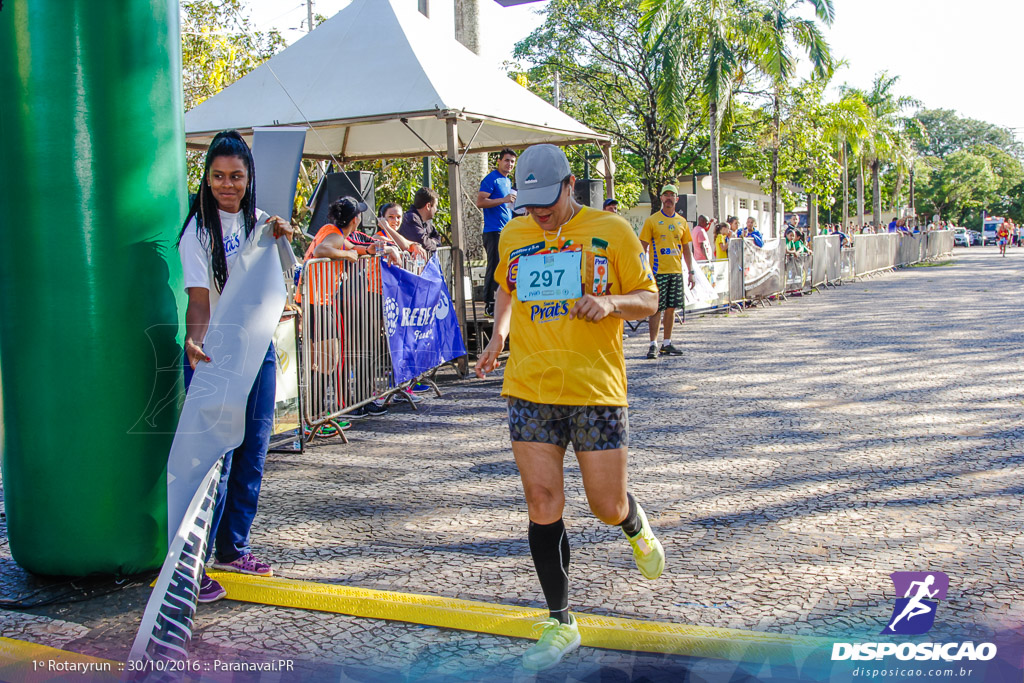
{"x": 667, "y": 237}
{"x": 554, "y": 359}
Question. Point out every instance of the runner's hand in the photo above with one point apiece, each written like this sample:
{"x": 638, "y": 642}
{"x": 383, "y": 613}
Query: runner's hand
{"x": 693, "y": 281}
{"x": 592, "y": 308}
{"x": 195, "y": 354}
{"x": 488, "y": 361}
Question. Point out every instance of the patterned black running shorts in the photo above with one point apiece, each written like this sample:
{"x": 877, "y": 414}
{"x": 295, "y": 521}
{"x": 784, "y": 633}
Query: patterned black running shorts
{"x": 670, "y": 290}
{"x": 589, "y": 428}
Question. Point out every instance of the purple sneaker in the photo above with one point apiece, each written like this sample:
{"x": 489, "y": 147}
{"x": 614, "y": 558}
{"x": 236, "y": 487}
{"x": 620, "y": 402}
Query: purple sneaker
{"x": 210, "y": 590}
{"x": 246, "y": 564}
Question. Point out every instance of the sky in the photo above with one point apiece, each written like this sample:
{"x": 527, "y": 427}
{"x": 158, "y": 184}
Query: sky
{"x": 964, "y": 56}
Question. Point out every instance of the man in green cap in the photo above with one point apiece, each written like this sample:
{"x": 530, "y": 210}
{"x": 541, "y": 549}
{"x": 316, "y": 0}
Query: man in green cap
{"x": 668, "y": 235}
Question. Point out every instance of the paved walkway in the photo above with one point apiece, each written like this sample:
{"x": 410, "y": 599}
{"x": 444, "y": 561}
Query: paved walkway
{"x": 792, "y": 459}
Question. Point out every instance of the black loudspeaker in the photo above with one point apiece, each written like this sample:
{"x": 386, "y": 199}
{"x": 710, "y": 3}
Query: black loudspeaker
{"x": 356, "y": 184}
{"x": 686, "y": 206}
{"x": 590, "y": 193}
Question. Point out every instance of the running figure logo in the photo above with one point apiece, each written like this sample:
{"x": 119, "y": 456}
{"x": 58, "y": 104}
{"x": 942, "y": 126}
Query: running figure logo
{"x": 914, "y": 613}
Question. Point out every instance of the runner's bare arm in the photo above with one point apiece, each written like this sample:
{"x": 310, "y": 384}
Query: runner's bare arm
{"x": 640, "y": 303}
{"x": 488, "y": 360}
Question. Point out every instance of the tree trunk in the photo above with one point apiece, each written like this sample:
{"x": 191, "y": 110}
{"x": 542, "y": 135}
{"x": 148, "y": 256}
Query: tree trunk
{"x": 860, "y": 193}
{"x": 716, "y": 196}
{"x": 846, "y": 188}
{"x": 896, "y": 191}
{"x": 876, "y": 198}
{"x": 913, "y": 205}
{"x": 776, "y": 124}
{"x": 812, "y": 212}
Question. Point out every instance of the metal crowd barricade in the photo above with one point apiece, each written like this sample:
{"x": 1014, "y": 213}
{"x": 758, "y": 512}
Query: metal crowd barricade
{"x": 939, "y": 244}
{"x": 848, "y": 267}
{"x": 346, "y": 360}
{"x": 825, "y": 268}
{"x": 798, "y": 273}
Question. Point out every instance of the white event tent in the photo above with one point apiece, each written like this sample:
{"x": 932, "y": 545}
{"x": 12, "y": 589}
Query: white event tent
{"x": 377, "y": 80}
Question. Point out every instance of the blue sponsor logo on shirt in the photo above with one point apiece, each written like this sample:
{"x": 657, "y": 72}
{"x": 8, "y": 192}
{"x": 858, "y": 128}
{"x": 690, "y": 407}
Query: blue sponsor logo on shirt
{"x": 546, "y": 312}
{"x": 231, "y": 244}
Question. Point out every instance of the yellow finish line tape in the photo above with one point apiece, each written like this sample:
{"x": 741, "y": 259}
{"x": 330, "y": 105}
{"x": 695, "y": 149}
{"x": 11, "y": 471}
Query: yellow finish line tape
{"x": 517, "y": 622}
{"x": 31, "y": 663}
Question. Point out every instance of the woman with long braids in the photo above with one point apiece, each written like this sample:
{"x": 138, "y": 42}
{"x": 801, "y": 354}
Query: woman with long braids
{"x": 222, "y": 218}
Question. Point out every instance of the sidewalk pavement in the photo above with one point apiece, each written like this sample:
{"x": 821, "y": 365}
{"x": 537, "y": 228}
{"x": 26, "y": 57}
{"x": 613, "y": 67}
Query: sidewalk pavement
{"x": 792, "y": 459}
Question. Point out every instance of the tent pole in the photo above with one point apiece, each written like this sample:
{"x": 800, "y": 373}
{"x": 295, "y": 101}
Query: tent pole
{"x": 458, "y": 239}
{"x": 609, "y": 177}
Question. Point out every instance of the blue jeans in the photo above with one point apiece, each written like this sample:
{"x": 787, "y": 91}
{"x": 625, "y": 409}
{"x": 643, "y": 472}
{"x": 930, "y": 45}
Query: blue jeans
{"x": 238, "y": 491}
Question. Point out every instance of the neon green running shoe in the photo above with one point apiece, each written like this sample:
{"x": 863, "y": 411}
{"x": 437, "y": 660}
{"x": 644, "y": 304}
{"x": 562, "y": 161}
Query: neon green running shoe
{"x": 647, "y": 551}
{"x": 555, "y": 642}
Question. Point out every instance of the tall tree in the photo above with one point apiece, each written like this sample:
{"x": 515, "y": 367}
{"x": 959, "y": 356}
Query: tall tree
{"x": 718, "y": 36}
{"x": 948, "y": 132}
{"x": 778, "y": 30}
{"x": 846, "y": 126}
{"x": 887, "y": 127}
{"x": 630, "y": 82}
{"x": 219, "y": 45}
{"x": 962, "y": 182}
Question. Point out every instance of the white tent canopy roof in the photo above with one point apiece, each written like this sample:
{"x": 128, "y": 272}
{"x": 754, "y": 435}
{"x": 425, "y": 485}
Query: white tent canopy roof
{"x": 374, "y": 63}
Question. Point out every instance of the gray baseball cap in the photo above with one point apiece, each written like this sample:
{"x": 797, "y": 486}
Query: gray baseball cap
{"x": 539, "y": 175}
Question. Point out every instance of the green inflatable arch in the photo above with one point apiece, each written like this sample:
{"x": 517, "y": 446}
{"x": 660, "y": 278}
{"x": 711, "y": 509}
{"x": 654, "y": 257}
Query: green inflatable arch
{"x": 92, "y": 196}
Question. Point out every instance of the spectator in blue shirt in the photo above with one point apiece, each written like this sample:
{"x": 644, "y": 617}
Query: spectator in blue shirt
{"x": 752, "y": 232}
{"x": 892, "y": 225}
{"x": 495, "y": 198}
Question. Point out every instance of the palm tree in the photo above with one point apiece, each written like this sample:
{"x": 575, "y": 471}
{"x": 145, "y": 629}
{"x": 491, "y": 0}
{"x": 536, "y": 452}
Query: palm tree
{"x": 776, "y": 31}
{"x": 884, "y": 138}
{"x": 847, "y": 123}
{"x": 715, "y": 31}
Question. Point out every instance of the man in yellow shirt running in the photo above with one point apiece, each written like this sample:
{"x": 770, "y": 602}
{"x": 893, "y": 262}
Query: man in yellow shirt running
{"x": 668, "y": 235}
{"x": 567, "y": 277}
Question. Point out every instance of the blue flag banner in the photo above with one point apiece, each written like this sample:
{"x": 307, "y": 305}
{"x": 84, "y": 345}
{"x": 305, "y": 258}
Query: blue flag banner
{"x": 420, "y": 321}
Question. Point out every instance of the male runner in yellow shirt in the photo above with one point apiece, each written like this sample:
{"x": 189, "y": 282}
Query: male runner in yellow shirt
{"x": 668, "y": 235}
{"x": 567, "y": 277}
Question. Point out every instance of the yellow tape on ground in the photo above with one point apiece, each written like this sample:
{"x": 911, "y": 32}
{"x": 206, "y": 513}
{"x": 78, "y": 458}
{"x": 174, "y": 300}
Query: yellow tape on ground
{"x": 23, "y": 662}
{"x": 517, "y": 622}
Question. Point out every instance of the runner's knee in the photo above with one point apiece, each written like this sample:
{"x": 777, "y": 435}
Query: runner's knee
{"x": 610, "y": 510}
{"x": 545, "y": 504}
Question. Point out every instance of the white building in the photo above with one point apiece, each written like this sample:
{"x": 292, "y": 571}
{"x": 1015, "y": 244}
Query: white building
{"x": 740, "y": 197}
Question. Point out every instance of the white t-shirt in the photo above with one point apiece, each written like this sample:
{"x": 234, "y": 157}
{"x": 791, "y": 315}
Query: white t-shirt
{"x": 196, "y": 260}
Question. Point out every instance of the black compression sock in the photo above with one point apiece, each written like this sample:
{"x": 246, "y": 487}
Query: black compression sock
{"x": 631, "y": 524}
{"x": 549, "y": 546}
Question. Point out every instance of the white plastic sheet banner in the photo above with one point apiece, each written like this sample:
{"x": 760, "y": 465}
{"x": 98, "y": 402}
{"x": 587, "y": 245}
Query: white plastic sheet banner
{"x": 166, "y": 627}
{"x": 277, "y": 152}
{"x": 286, "y": 402}
{"x": 703, "y": 295}
{"x": 763, "y": 268}
{"x": 212, "y": 423}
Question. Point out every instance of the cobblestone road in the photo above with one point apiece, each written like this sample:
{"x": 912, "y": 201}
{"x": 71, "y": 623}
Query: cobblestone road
{"x": 792, "y": 459}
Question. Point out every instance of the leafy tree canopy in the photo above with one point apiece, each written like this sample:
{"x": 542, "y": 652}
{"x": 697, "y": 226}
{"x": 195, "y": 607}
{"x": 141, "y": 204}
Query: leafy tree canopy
{"x": 948, "y": 132}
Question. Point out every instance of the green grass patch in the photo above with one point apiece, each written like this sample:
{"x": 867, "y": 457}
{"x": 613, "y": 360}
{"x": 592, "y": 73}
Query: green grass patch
{"x": 929, "y": 264}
